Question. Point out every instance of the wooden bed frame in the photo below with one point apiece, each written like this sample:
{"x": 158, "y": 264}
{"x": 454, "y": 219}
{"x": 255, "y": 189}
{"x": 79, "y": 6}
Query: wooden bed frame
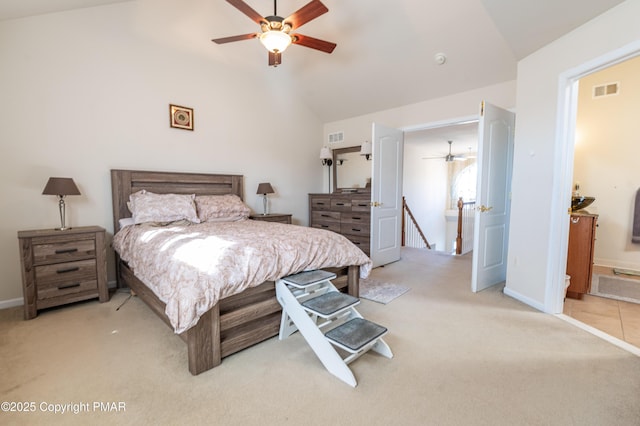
{"x": 236, "y": 322}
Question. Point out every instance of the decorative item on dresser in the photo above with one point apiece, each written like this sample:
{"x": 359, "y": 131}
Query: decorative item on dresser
{"x": 348, "y": 214}
{"x": 62, "y": 267}
{"x": 273, "y": 217}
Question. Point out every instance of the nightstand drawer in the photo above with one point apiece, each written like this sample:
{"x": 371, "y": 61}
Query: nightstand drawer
{"x": 65, "y": 274}
{"x": 63, "y": 251}
{"x": 89, "y": 287}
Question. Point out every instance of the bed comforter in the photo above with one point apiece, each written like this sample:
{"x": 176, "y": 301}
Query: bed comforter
{"x": 191, "y": 267}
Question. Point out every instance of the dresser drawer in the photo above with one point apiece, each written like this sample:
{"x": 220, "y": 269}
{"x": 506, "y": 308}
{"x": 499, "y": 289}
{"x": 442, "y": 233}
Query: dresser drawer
{"x": 335, "y": 227}
{"x": 63, "y": 251}
{"x": 321, "y": 203}
{"x": 325, "y": 217}
{"x": 64, "y": 274}
{"x": 361, "y": 205}
{"x": 362, "y": 242}
{"x": 341, "y": 204}
{"x": 354, "y": 229}
{"x": 356, "y": 218}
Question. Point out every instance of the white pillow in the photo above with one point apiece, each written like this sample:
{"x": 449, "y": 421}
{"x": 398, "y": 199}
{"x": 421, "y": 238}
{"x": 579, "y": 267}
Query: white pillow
{"x": 150, "y": 207}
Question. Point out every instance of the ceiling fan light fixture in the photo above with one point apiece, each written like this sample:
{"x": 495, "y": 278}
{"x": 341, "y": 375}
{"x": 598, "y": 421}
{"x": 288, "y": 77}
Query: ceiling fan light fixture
{"x": 275, "y": 41}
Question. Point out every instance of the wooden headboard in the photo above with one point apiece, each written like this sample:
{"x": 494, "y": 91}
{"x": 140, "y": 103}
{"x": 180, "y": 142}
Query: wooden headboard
{"x": 126, "y": 182}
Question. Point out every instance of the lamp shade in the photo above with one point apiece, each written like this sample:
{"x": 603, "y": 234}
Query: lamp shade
{"x": 325, "y": 154}
{"x": 365, "y": 148}
{"x": 265, "y": 188}
{"x": 275, "y": 40}
{"x": 60, "y": 186}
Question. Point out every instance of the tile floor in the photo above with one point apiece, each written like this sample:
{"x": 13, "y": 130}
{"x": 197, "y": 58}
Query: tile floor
{"x": 615, "y": 317}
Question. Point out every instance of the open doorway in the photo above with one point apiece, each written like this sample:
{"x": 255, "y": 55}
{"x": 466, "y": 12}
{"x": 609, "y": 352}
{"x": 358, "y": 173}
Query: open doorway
{"x": 431, "y": 184}
{"x": 604, "y": 167}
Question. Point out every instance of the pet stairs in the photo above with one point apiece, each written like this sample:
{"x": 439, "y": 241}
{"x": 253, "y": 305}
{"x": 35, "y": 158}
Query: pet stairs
{"x": 328, "y": 321}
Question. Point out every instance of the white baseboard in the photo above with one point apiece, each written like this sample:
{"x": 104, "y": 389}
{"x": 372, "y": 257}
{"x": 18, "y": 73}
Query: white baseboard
{"x": 604, "y": 336}
{"x": 12, "y": 303}
{"x": 524, "y": 299}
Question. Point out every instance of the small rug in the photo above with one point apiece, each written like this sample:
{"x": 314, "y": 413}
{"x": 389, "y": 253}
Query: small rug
{"x": 379, "y": 291}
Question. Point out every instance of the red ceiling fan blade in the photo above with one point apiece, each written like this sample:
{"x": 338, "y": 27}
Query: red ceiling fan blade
{"x": 234, "y": 38}
{"x": 313, "y": 43}
{"x": 275, "y": 59}
{"x": 306, "y": 13}
{"x": 247, "y": 10}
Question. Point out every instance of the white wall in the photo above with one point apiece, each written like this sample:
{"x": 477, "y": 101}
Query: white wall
{"x": 89, "y": 90}
{"x": 539, "y": 166}
{"x": 606, "y": 160}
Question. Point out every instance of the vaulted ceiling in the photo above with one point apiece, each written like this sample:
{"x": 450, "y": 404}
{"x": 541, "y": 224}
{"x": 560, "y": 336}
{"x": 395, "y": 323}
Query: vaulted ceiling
{"x": 386, "y": 50}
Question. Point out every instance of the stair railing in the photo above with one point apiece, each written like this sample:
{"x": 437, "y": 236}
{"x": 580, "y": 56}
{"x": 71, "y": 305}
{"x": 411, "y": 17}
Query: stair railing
{"x": 466, "y": 221}
{"x": 412, "y": 235}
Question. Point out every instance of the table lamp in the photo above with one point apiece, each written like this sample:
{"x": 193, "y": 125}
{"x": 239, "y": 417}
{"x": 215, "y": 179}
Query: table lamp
{"x": 61, "y": 187}
{"x": 264, "y": 189}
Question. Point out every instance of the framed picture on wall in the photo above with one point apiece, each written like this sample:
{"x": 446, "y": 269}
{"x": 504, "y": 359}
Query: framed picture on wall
{"x": 181, "y": 117}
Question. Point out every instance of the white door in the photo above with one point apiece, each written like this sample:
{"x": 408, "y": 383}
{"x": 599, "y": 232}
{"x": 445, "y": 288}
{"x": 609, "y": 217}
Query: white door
{"x": 493, "y": 196}
{"x": 386, "y": 195}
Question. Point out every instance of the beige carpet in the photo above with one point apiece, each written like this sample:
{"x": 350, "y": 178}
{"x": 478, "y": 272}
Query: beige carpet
{"x": 379, "y": 291}
{"x": 460, "y": 359}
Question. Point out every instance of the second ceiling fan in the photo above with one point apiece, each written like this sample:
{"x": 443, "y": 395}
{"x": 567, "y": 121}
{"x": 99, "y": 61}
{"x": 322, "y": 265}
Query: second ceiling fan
{"x": 450, "y": 157}
{"x": 276, "y": 32}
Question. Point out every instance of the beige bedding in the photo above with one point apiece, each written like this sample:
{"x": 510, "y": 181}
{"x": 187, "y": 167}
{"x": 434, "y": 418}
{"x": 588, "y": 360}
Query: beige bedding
{"x": 190, "y": 267}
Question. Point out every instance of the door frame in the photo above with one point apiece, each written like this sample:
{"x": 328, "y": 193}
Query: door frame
{"x": 563, "y": 165}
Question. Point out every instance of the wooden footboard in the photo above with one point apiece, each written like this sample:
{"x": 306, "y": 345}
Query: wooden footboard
{"x": 236, "y": 322}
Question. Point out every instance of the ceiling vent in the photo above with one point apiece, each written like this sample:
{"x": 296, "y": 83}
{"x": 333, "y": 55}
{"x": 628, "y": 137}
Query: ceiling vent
{"x": 336, "y": 137}
{"x": 607, "y": 89}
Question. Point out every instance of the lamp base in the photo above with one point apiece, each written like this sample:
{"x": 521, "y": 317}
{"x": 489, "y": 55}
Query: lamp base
{"x": 62, "y": 229}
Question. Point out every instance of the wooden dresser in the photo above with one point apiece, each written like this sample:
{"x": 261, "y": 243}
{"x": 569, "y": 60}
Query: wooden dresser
{"x": 582, "y": 237}
{"x": 60, "y": 267}
{"x": 346, "y": 214}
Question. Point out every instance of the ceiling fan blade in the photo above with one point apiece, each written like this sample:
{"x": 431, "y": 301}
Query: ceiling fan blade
{"x": 275, "y": 59}
{"x": 234, "y": 38}
{"x": 313, "y": 43}
{"x": 306, "y": 13}
{"x": 247, "y": 10}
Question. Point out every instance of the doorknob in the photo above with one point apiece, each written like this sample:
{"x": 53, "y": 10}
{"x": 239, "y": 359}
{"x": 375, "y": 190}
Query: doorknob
{"x": 483, "y": 209}
{"x": 375, "y": 204}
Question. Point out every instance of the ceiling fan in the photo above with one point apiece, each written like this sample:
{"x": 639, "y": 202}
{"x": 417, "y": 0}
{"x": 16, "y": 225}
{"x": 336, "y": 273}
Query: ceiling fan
{"x": 451, "y": 157}
{"x": 276, "y": 31}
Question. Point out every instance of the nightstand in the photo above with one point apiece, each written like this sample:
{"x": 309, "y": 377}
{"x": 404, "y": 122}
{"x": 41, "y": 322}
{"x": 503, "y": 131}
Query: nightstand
{"x": 272, "y": 217}
{"x": 60, "y": 267}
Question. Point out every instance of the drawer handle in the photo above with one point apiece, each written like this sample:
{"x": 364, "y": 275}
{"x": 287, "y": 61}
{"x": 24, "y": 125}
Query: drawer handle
{"x": 356, "y": 229}
{"x": 69, "y": 250}
{"x": 319, "y": 203}
{"x": 356, "y": 218}
{"x": 62, "y": 287}
{"x": 324, "y": 215}
{"x": 65, "y": 270}
{"x": 339, "y": 204}
{"x": 324, "y": 226}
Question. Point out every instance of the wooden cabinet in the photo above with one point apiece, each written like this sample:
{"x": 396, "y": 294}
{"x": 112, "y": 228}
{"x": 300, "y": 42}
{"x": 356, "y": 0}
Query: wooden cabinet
{"x": 60, "y": 267}
{"x": 582, "y": 236}
{"x": 346, "y": 214}
{"x": 272, "y": 217}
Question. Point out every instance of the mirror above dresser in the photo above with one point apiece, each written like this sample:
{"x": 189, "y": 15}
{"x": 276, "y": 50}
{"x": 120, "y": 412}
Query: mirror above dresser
{"x": 351, "y": 171}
